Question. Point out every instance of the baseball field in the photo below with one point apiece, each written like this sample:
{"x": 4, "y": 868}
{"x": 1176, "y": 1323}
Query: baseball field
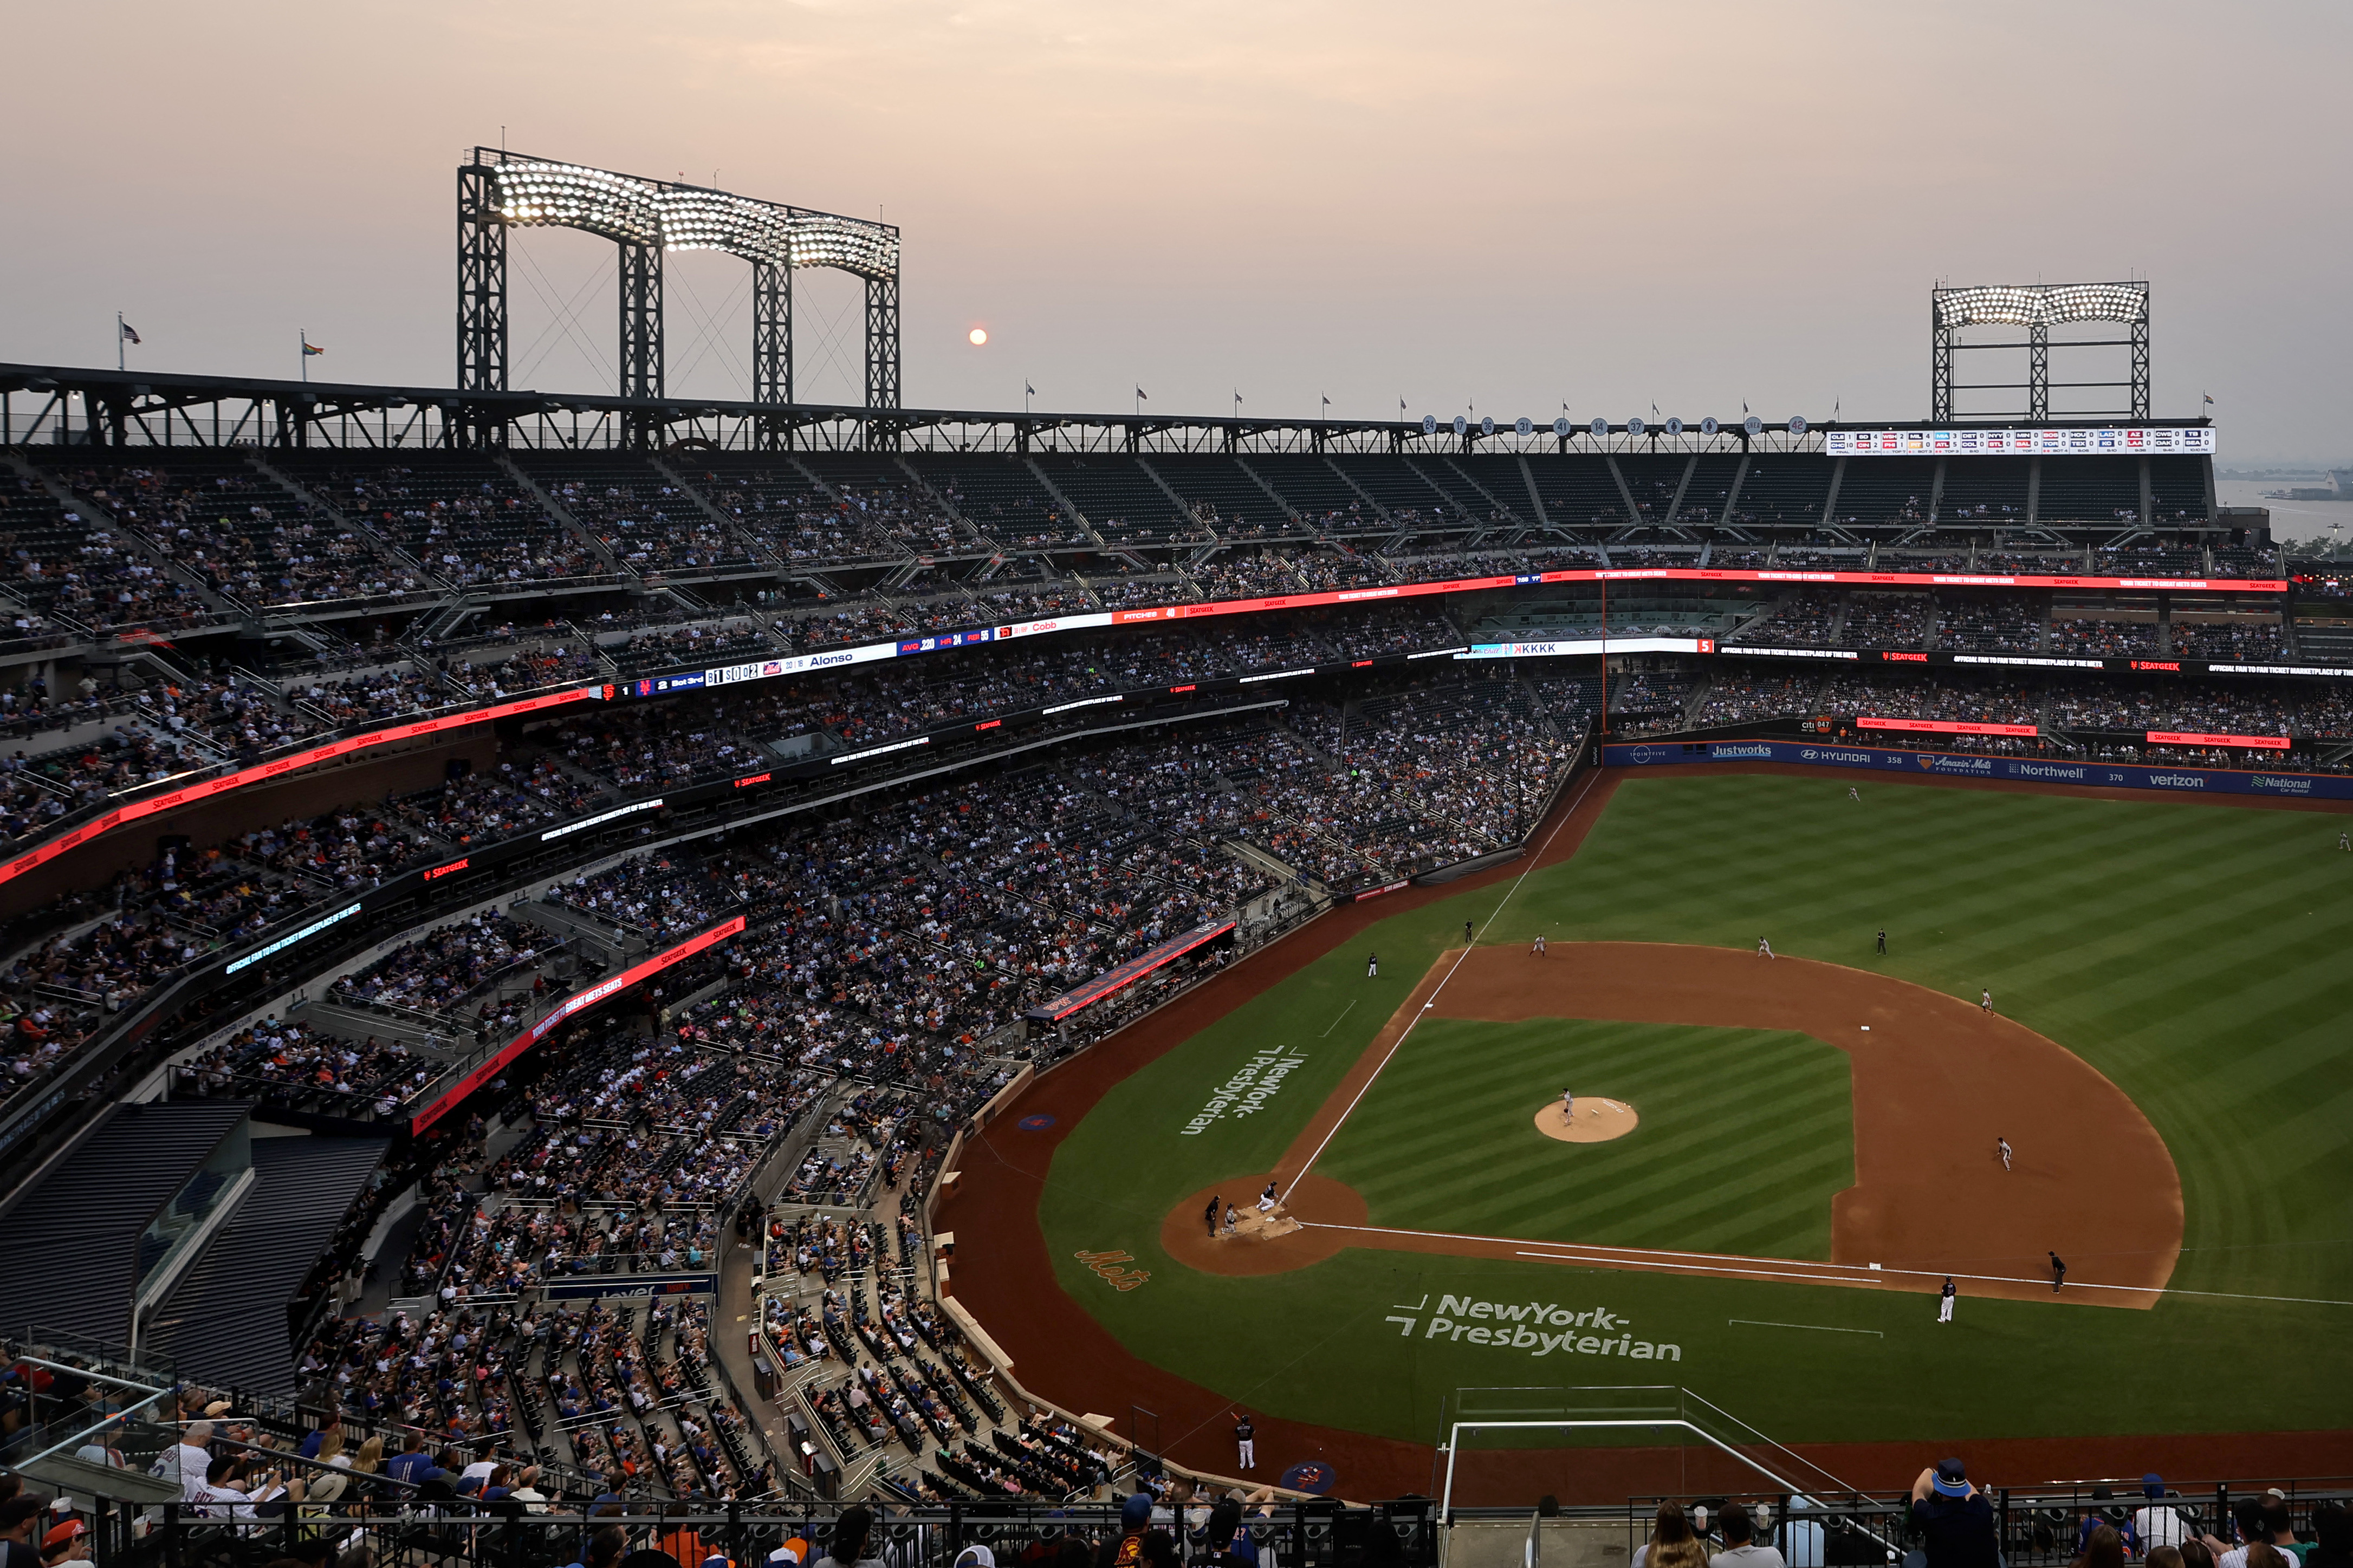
{"x": 1783, "y": 1161}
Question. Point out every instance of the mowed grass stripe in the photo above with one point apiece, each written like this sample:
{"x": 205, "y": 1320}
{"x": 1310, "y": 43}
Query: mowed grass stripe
{"x": 1746, "y": 1135}
{"x": 2193, "y": 954}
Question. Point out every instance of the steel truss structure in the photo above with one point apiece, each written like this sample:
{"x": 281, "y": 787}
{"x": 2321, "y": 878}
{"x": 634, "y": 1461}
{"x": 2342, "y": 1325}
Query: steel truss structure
{"x": 64, "y": 406}
{"x": 647, "y": 218}
{"x": 2037, "y": 307}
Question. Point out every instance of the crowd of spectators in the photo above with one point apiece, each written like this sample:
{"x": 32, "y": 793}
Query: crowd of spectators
{"x": 1998, "y": 623}
{"x": 441, "y": 970}
{"x": 1809, "y": 617}
{"x": 2095, "y": 637}
{"x": 2232, "y": 642}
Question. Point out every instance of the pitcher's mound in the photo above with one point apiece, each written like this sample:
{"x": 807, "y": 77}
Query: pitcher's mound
{"x": 1597, "y": 1121}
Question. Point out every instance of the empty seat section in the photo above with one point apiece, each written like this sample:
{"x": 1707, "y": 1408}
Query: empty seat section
{"x": 2089, "y": 489}
{"x": 1785, "y": 488}
{"x": 1992, "y": 489}
{"x": 1116, "y": 495}
{"x": 999, "y": 495}
{"x": 1402, "y": 490}
{"x": 1217, "y": 488}
{"x": 1578, "y": 489}
{"x": 1315, "y": 491}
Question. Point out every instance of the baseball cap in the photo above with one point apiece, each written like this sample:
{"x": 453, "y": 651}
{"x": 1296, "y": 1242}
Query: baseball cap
{"x": 2152, "y": 1485}
{"x": 60, "y": 1533}
{"x": 1136, "y": 1510}
{"x": 1952, "y": 1478}
{"x": 975, "y": 1557}
{"x": 791, "y": 1554}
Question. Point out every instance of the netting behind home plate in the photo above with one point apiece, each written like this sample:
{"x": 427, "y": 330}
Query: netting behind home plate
{"x": 1513, "y": 1447}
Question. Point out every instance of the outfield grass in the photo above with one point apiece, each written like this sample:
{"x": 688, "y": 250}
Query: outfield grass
{"x": 2201, "y": 957}
{"x": 1746, "y": 1135}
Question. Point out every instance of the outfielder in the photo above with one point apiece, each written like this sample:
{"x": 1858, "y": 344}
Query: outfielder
{"x": 1945, "y": 1301}
{"x": 1372, "y": 966}
{"x": 1854, "y": 795}
{"x": 1246, "y": 1440}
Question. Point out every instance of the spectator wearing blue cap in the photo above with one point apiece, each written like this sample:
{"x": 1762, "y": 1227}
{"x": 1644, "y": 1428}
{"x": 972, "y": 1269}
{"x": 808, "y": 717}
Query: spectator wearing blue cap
{"x": 1134, "y": 1523}
{"x": 1954, "y": 1517}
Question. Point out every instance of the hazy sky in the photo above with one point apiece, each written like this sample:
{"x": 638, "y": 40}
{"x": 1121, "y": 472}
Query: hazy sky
{"x": 1510, "y": 206}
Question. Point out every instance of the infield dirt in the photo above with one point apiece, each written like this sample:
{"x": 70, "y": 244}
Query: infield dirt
{"x": 1937, "y": 1081}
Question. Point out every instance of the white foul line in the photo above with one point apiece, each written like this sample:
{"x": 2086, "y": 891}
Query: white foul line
{"x": 1335, "y": 1022}
{"x": 1818, "y": 1328}
{"x": 1408, "y": 1028}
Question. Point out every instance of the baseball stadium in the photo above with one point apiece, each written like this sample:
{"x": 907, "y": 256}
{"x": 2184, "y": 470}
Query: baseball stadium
{"x": 598, "y": 976}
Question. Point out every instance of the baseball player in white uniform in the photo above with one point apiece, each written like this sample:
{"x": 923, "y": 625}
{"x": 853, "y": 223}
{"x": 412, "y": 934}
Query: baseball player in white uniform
{"x": 1945, "y": 1301}
{"x": 1764, "y": 948}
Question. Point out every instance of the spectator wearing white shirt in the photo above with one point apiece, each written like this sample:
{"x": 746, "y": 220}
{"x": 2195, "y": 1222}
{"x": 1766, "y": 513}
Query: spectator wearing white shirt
{"x": 2262, "y": 1521}
{"x": 188, "y": 1460}
{"x": 2155, "y": 1523}
{"x": 1740, "y": 1548}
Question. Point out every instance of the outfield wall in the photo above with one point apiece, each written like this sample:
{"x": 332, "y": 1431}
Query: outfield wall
{"x": 1964, "y": 764}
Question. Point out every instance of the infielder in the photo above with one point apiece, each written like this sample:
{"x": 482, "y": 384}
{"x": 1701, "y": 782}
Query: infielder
{"x": 1945, "y": 1301}
{"x": 2002, "y": 1144}
{"x": 1764, "y": 948}
{"x": 1537, "y": 947}
{"x": 1985, "y": 1001}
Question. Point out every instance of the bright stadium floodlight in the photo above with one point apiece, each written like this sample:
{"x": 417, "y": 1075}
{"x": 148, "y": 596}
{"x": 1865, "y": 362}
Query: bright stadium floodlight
{"x": 569, "y": 196}
{"x": 499, "y": 191}
{"x": 2037, "y": 307}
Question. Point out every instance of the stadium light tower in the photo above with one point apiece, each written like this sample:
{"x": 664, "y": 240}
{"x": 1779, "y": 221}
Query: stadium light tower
{"x": 2037, "y": 307}
{"x": 498, "y": 190}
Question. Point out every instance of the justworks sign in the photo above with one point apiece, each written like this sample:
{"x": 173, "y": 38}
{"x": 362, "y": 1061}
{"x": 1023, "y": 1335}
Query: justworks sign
{"x": 1539, "y": 1328}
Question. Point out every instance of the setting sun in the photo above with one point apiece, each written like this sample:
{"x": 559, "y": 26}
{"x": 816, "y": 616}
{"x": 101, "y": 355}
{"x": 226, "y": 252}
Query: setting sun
{"x": 978, "y": 335}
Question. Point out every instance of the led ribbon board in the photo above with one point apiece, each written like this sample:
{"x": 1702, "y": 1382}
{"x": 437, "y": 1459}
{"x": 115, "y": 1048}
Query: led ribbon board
{"x": 571, "y": 1006}
{"x": 260, "y": 772}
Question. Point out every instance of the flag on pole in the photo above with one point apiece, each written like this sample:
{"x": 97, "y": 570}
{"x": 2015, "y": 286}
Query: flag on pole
{"x": 1027, "y": 390}
{"x": 131, "y": 334}
{"x": 310, "y": 348}
{"x": 2208, "y": 396}
{"x": 1145, "y": 395}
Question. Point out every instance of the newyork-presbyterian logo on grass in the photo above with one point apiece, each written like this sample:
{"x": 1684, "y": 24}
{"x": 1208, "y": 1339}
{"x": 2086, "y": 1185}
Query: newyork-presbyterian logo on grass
{"x": 1247, "y": 1092}
{"x": 1537, "y": 1328}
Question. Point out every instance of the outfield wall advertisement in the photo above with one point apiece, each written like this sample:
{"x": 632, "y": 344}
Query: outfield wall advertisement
{"x": 1951, "y": 765}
